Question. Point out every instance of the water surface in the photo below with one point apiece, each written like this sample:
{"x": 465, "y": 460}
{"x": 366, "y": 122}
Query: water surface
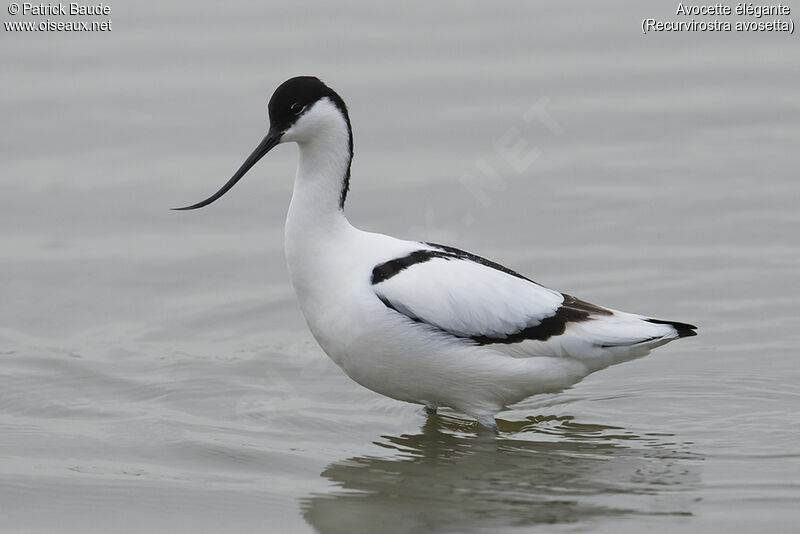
{"x": 157, "y": 374}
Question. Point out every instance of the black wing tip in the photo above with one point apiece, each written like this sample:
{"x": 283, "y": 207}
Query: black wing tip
{"x": 683, "y": 329}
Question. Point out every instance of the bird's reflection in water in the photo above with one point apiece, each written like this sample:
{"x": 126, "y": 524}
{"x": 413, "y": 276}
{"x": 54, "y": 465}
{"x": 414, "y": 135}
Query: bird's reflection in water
{"x": 452, "y": 476}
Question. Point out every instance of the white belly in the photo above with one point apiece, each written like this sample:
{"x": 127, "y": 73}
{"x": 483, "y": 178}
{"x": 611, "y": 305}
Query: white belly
{"x": 388, "y": 353}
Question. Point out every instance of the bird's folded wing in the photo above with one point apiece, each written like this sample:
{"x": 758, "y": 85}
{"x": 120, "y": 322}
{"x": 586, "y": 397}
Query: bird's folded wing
{"x": 470, "y": 297}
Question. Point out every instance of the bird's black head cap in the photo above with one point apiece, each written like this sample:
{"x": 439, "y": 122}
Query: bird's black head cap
{"x": 296, "y": 95}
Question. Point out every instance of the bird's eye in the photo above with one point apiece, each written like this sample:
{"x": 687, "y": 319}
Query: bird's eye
{"x": 296, "y": 108}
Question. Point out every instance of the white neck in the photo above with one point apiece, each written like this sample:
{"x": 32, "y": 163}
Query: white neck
{"x": 315, "y": 218}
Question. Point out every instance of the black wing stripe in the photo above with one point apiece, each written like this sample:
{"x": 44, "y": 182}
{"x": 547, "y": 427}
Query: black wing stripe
{"x": 463, "y": 255}
{"x": 388, "y": 269}
{"x": 555, "y": 325}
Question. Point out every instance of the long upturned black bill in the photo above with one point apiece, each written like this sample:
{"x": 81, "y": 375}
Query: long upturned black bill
{"x": 267, "y": 144}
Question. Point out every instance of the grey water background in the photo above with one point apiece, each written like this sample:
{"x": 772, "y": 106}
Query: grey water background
{"x": 156, "y": 373}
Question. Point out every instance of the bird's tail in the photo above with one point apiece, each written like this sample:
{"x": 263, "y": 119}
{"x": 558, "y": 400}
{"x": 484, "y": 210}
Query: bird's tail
{"x": 682, "y": 329}
{"x": 620, "y": 337}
